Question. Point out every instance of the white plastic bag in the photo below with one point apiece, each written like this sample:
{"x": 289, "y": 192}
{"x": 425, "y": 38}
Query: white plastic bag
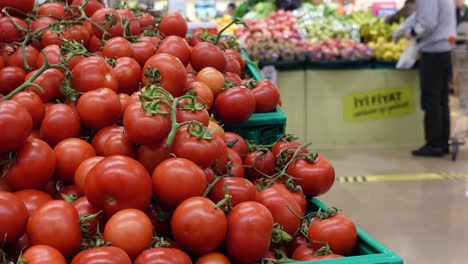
{"x": 408, "y": 57}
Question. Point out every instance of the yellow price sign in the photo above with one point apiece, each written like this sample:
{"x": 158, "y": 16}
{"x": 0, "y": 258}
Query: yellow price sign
{"x": 379, "y": 104}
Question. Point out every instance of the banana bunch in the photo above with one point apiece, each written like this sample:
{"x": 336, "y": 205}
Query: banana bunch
{"x": 223, "y": 22}
{"x": 387, "y": 50}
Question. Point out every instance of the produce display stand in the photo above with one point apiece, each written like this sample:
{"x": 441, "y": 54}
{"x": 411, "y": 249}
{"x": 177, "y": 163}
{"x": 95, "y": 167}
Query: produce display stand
{"x": 323, "y": 104}
{"x": 369, "y": 250}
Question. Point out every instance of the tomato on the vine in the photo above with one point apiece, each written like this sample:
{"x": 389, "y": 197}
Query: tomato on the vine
{"x": 266, "y": 96}
{"x": 241, "y": 190}
{"x": 130, "y": 23}
{"x": 56, "y": 224}
{"x": 91, "y": 6}
{"x": 33, "y": 103}
{"x": 84, "y": 208}
{"x": 177, "y": 179}
{"x": 205, "y": 54}
{"x": 302, "y": 251}
{"x": 128, "y": 73}
{"x": 105, "y": 180}
{"x": 83, "y": 170}
{"x": 129, "y": 221}
{"x": 70, "y": 153}
{"x": 40, "y": 254}
{"x": 198, "y": 225}
{"x": 102, "y": 255}
{"x": 60, "y": 122}
{"x": 173, "y": 24}
{"x": 93, "y": 73}
{"x": 142, "y": 51}
{"x": 16, "y": 125}
{"x": 99, "y": 108}
{"x": 100, "y": 138}
{"x": 33, "y": 199}
{"x": 18, "y": 7}
{"x": 118, "y": 47}
{"x": 9, "y": 31}
{"x": 237, "y": 143}
{"x": 315, "y": 177}
{"x": 52, "y": 9}
{"x": 213, "y": 78}
{"x": 50, "y": 81}
{"x": 10, "y": 78}
{"x": 14, "y": 217}
{"x": 235, "y": 105}
{"x": 259, "y": 163}
{"x": 163, "y": 255}
{"x": 176, "y": 46}
{"x": 202, "y": 92}
{"x": 236, "y": 167}
{"x": 109, "y": 20}
{"x": 213, "y": 258}
{"x": 31, "y": 55}
{"x": 167, "y": 71}
{"x": 250, "y": 226}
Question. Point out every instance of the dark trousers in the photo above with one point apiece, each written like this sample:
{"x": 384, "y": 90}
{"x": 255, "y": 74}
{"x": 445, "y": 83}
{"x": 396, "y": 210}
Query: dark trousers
{"x": 435, "y": 73}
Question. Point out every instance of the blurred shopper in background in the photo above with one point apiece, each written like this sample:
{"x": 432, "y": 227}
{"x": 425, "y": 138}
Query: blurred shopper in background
{"x": 462, "y": 11}
{"x": 431, "y": 24}
{"x": 407, "y": 9}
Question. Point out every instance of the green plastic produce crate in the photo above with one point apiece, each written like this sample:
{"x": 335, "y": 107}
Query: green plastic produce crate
{"x": 369, "y": 250}
{"x": 261, "y": 128}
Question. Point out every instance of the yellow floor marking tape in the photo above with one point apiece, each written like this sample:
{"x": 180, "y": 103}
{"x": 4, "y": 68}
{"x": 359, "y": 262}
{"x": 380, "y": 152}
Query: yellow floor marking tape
{"x": 402, "y": 177}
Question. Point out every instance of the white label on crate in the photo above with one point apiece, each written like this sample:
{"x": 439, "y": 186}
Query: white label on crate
{"x": 177, "y": 6}
{"x": 270, "y": 73}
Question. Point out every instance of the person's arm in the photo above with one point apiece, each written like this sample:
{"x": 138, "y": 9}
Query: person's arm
{"x": 425, "y": 20}
{"x": 405, "y": 27}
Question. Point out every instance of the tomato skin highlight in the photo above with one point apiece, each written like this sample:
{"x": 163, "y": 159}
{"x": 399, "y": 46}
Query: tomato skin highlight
{"x": 121, "y": 171}
{"x": 198, "y": 226}
{"x": 102, "y": 255}
{"x": 14, "y": 217}
{"x": 250, "y": 225}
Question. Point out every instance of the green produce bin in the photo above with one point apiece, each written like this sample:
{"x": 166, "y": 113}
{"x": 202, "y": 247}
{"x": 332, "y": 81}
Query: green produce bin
{"x": 369, "y": 250}
{"x": 261, "y": 128}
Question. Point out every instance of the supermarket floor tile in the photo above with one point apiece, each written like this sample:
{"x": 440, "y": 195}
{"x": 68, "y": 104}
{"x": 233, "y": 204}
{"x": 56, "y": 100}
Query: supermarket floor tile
{"x": 423, "y": 221}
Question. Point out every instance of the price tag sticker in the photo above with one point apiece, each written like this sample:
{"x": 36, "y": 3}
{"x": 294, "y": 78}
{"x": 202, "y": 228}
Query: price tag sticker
{"x": 270, "y": 73}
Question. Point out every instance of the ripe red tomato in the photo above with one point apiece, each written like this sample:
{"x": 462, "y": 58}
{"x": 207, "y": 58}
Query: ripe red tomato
{"x": 289, "y": 146}
{"x": 235, "y": 105}
{"x": 198, "y": 226}
{"x": 70, "y": 191}
{"x": 84, "y": 208}
{"x": 233, "y": 77}
{"x": 56, "y": 224}
{"x": 241, "y": 190}
{"x": 202, "y": 92}
{"x": 200, "y": 115}
{"x": 50, "y": 81}
{"x": 94, "y": 44}
{"x": 128, "y": 73}
{"x": 177, "y": 179}
{"x": 70, "y": 153}
{"x": 233, "y": 66}
{"x": 142, "y": 51}
{"x": 312, "y": 257}
{"x": 16, "y": 59}
{"x": 123, "y": 98}
{"x": 250, "y": 226}
{"x": 60, "y": 122}
{"x": 191, "y": 147}
{"x": 173, "y": 24}
{"x": 163, "y": 256}
{"x": 205, "y": 54}
{"x": 259, "y": 163}
{"x": 236, "y": 54}
{"x": 177, "y": 47}
{"x": 120, "y": 144}
{"x": 213, "y": 258}
{"x": 99, "y": 108}
{"x": 9, "y": 31}
{"x": 83, "y": 170}
{"x": 93, "y": 73}
{"x": 145, "y": 20}
{"x": 236, "y": 166}
{"x": 105, "y": 180}
{"x": 337, "y": 230}
{"x": 14, "y": 217}
{"x": 302, "y": 251}
{"x": 282, "y": 206}
{"x": 117, "y": 47}
{"x": 237, "y": 143}
{"x": 295, "y": 243}
{"x": 34, "y": 166}
{"x": 100, "y": 138}
{"x": 18, "y": 7}
{"x": 131, "y": 25}
{"x": 33, "y": 103}
{"x": 166, "y": 70}
{"x": 52, "y": 53}
{"x": 154, "y": 40}
{"x": 213, "y": 78}
{"x": 145, "y": 128}
{"x": 33, "y": 199}
{"x": 110, "y": 20}
{"x": 56, "y": 10}
{"x": 41, "y": 254}
{"x": 266, "y": 96}
{"x": 215, "y": 128}
{"x": 102, "y": 255}
{"x": 129, "y": 221}
{"x": 315, "y": 178}
{"x": 91, "y": 6}
{"x": 10, "y": 78}
{"x": 151, "y": 156}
